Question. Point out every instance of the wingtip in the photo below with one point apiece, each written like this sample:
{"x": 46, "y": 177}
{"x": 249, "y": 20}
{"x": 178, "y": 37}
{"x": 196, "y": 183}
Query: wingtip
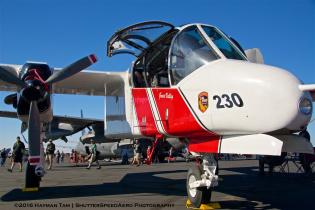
{"x": 93, "y": 58}
{"x": 307, "y": 87}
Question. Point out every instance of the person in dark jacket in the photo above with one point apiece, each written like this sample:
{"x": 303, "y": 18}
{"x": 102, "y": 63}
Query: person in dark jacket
{"x": 3, "y": 156}
{"x": 50, "y": 151}
{"x": 17, "y": 154}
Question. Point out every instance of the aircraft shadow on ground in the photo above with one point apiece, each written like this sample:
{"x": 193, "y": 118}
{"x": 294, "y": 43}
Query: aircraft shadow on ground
{"x": 132, "y": 183}
{"x": 279, "y": 191}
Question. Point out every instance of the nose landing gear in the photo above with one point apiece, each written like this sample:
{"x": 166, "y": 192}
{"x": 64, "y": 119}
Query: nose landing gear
{"x": 200, "y": 181}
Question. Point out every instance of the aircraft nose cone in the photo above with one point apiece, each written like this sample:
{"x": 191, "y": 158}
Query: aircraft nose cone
{"x": 292, "y": 106}
{"x": 283, "y": 103}
{"x": 271, "y": 97}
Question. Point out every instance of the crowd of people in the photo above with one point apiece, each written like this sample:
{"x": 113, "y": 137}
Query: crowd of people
{"x": 19, "y": 155}
{"x": 142, "y": 153}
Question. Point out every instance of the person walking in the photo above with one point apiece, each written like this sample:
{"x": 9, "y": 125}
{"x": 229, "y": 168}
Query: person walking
{"x": 137, "y": 153}
{"x": 58, "y": 157}
{"x": 50, "y": 151}
{"x": 62, "y": 156}
{"x": 124, "y": 155}
{"x": 171, "y": 155}
{"x": 3, "y": 157}
{"x": 94, "y": 156}
{"x": 17, "y": 154}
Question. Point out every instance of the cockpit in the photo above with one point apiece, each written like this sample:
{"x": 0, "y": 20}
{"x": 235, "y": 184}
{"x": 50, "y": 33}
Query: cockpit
{"x": 165, "y": 55}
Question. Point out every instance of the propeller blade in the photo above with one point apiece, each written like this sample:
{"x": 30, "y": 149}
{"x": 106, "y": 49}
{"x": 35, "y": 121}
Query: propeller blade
{"x": 7, "y": 76}
{"x": 23, "y": 127}
{"x": 24, "y": 138}
{"x": 34, "y": 130}
{"x": 72, "y": 69}
{"x": 10, "y": 99}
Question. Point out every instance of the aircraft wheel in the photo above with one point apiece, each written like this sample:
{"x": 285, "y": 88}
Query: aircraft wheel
{"x": 31, "y": 179}
{"x": 197, "y": 196}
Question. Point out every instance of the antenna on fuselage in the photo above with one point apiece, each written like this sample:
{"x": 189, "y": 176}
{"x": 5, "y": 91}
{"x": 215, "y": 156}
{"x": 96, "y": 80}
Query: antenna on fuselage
{"x": 83, "y": 130}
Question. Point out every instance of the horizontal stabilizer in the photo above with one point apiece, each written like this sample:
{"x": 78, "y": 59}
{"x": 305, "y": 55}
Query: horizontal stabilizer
{"x": 260, "y": 144}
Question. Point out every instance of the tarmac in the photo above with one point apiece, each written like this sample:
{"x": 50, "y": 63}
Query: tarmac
{"x": 158, "y": 186}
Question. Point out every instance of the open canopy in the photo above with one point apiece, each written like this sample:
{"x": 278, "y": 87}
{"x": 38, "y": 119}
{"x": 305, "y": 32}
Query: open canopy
{"x": 136, "y": 38}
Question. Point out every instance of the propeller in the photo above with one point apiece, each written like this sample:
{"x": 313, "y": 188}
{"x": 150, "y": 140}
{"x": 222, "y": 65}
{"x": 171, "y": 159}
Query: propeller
{"x": 34, "y": 90}
{"x": 9, "y": 77}
{"x": 72, "y": 69}
{"x": 10, "y": 99}
{"x": 34, "y": 130}
{"x": 23, "y": 127}
{"x": 66, "y": 72}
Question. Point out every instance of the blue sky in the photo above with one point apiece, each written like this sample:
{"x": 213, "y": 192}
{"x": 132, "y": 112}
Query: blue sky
{"x": 59, "y": 32}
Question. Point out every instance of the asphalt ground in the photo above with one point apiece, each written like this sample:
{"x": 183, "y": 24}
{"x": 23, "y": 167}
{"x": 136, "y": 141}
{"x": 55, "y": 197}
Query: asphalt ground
{"x": 158, "y": 186}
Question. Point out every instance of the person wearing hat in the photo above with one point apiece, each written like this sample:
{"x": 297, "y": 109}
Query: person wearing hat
{"x": 94, "y": 155}
{"x": 50, "y": 151}
{"x": 17, "y": 154}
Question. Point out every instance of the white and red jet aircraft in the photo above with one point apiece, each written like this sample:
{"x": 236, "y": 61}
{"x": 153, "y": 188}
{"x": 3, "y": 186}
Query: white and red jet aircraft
{"x": 191, "y": 82}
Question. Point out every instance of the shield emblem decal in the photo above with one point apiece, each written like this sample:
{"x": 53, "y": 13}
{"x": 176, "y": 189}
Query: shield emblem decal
{"x": 203, "y": 101}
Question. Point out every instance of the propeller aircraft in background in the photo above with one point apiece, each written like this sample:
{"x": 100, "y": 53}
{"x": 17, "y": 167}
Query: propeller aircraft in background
{"x": 191, "y": 82}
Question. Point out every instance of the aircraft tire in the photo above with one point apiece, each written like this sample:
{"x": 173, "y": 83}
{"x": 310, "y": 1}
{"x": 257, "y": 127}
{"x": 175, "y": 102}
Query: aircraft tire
{"x": 31, "y": 179}
{"x": 200, "y": 195}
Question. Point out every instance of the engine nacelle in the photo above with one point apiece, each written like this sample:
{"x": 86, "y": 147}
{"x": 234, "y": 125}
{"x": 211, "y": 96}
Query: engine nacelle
{"x": 34, "y": 75}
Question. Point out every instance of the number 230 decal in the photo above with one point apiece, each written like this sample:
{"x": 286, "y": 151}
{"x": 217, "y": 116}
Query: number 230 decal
{"x": 230, "y": 101}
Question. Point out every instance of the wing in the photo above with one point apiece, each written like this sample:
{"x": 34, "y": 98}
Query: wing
{"x": 93, "y": 83}
{"x": 64, "y": 125}
{"x": 310, "y": 88}
{"x": 61, "y": 119}
{"x": 84, "y": 83}
{"x": 14, "y": 69}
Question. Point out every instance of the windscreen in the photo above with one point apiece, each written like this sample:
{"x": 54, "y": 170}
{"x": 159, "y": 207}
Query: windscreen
{"x": 224, "y": 45}
{"x": 189, "y": 52}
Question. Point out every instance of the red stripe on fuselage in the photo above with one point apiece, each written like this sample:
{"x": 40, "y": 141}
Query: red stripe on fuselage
{"x": 181, "y": 121}
{"x": 144, "y": 113}
{"x": 176, "y": 117}
{"x": 209, "y": 144}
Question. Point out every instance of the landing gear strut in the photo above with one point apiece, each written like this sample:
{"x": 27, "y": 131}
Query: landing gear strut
{"x": 35, "y": 165}
{"x": 157, "y": 139}
{"x": 201, "y": 179}
{"x": 32, "y": 180}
